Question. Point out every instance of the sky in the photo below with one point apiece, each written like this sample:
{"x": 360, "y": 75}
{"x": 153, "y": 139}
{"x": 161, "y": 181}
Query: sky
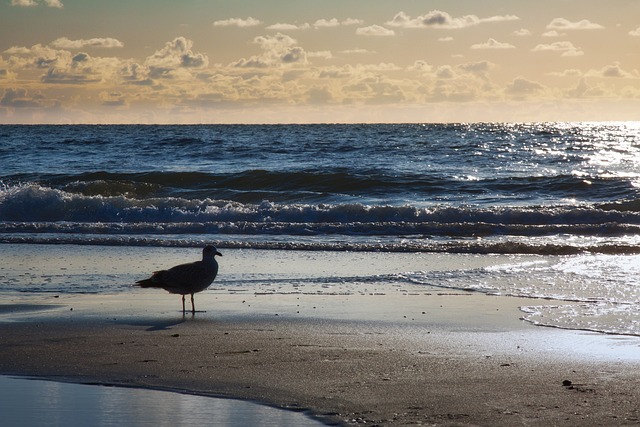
{"x": 329, "y": 61}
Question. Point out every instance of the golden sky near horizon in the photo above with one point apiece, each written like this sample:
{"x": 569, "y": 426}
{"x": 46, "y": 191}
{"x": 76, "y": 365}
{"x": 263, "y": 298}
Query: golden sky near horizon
{"x": 281, "y": 61}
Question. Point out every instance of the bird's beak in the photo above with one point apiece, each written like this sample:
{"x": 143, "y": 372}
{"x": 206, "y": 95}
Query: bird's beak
{"x": 218, "y": 253}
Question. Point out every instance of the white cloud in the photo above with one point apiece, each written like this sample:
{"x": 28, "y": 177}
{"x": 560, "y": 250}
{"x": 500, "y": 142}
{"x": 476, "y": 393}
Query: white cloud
{"x": 572, "y": 72}
{"x": 567, "y": 48}
{"x": 565, "y": 24}
{"x": 175, "y": 55}
{"x": 324, "y": 54}
{"x": 24, "y": 3}
{"x": 112, "y": 99}
{"x": 421, "y": 65}
{"x": 584, "y": 90}
{"x": 65, "y": 43}
{"x": 352, "y": 21}
{"x": 635, "y": 33}
{"x": 19, "y": 98}
{"x": 612, "y": 71}
{"x": 37, "y": 56}
{"x": 553, "y": 33}
{"x": 445, "y": 72}
{"x": 277, "y": 51}
{"x": 325, "y": 23}
{"x": 479, "y": 68}
{"x": 375, "y": 30}
{"x": 288, "y": 27}
{"x": 31, "y": 3}
{"x": 522, "y": 32}
{"x": 445, "y": 39}
{"x": 69, "y": 77}
{"x": 358, "y": 51}
{"x": 333, "y": 22}
{"x": 237, "y": 22}
{"x": 82, "y": 68}
{"x": 492, "y": 44}
{"x": 440, "y": 19}
{"x": 521, "y": 87}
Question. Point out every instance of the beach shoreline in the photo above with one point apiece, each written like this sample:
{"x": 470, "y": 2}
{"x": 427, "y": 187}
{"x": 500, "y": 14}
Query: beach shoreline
{"x": 348, "y": 354}
{"x": 392, "y": 373}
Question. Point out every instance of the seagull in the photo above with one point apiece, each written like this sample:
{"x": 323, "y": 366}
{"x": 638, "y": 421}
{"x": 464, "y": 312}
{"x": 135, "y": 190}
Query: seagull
{"x": 186, "y": 279}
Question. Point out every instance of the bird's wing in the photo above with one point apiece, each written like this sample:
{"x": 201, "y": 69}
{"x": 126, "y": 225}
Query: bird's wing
{"x": 184, "y": 273}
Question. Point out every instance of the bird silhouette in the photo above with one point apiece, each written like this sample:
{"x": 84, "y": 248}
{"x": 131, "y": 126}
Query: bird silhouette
{"x": 186, "y": 279}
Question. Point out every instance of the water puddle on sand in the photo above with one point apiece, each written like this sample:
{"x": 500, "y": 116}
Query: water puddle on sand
{"x": 34, "y": 402}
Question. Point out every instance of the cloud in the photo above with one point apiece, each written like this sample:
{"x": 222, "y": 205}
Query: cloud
{"x": 572, "y": 72}
{"x": 522, "y": 87}
{"x": 37, "y": 56}
{"x": 326, "y": 23}
{"x": 445, "y": 72}
{"x": 65, "y": 43}
{"x": 61, "y": 76}
{"x": 567, "y": 48}
{"x": 492, "y": 44}
{"x": 319, "y": 96}
{"x": 324, "y": 54}
{"x": 82, "y": 69}
{"x": 553, "y": 33}
{"x": 358, "y": 51}
{"x": 635, "y": 33}
{"x": 612, "y": 71}
{"x": 421, "y": 65}
{"x": 135, "y": 74}
{"x": 375, "y": 31}
{"x": 19, "y": 98}
{"x": 333, "y": 22}
{"x": 440, "y": 19}
{"x": 452, "y": 90}
{"x": 584, "y": 90}
{"x": 31, "y": 3}
{"x": 288, "y": 27}
{"x": 237, "y": 22}
{"x": 374, "y": 89}
{"x": 175, "y": 54}
{"x": 277, "y": 51}
{"x": 445, "y": 39}
{"x": 522, "y": 32}
{"x": 565, "y": 24}
{"x": 351, "y": 21}
{"x": 113, "y": 99}
{"x": 480, "y": 67}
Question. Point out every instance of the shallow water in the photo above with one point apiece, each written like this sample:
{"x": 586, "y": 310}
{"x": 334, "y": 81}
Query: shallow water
{"x": 600, "y": 293}
{"x": 36, "y": 402}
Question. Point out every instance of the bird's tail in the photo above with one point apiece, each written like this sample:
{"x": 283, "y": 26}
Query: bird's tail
{"x": 151, "y": 282}
{"x": 146, "y": 283}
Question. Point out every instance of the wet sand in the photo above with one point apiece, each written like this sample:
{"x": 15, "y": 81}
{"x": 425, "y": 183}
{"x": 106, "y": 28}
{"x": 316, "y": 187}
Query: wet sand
{"x": 405, "y": 358}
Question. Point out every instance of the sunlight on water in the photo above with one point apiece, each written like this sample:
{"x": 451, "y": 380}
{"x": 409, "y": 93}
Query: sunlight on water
{"x": 603, "y": 290}
{"x": 29, "y": 402}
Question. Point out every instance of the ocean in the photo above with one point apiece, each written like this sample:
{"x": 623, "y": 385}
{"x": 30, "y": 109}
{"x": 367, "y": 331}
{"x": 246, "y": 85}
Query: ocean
{"x": 566, "y": 192}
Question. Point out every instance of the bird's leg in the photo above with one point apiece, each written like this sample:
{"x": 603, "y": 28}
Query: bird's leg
{"x": 183, "y": 309}
{"x": 193, "y": 306}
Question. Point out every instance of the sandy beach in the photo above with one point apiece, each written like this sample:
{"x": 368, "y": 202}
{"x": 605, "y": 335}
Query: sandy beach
{"x": 414, "y": 356}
